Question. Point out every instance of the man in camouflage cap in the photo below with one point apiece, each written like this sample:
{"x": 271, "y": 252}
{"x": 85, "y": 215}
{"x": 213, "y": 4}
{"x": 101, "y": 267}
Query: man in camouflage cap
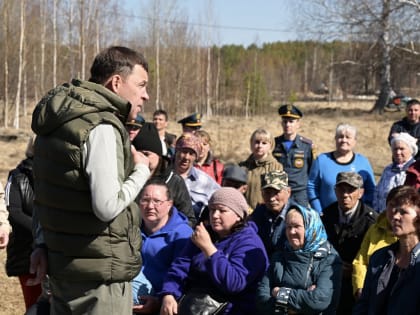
{"x": 295, "y": 152}
{"x": 269, "y": 217}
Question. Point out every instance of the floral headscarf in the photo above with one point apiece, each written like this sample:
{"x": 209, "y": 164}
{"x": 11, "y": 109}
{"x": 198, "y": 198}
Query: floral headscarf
{"x": 315, "y": 234}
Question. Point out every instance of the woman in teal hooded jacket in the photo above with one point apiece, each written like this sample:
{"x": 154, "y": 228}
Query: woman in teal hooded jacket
{"x": 304, "y": 276}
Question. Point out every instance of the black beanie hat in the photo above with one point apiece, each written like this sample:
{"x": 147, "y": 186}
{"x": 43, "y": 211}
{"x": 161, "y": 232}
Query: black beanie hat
{"x": 148, "y": 139}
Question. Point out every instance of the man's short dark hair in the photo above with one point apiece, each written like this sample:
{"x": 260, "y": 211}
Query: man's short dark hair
{"x": 161, "y": 112}
{"x": 413, "y": 102}
{"x": 115, "y": 60}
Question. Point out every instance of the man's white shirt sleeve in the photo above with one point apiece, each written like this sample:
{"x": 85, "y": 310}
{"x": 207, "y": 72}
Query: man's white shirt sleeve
{"x": 110, "y": 196}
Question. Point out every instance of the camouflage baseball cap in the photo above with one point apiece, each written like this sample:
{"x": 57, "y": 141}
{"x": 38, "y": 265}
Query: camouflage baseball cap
{"x": 275, "y": 179}
{"x": 351, "y": 178}
{"x": 189, "y": 141}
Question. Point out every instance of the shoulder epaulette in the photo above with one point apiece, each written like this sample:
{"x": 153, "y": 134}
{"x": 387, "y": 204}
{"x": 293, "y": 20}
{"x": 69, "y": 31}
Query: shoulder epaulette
{"x": 306, "y": 140}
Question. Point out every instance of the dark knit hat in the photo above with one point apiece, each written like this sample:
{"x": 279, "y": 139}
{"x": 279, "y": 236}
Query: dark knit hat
{"x": 148, "y": 139}
{"x": 231, "y": 198}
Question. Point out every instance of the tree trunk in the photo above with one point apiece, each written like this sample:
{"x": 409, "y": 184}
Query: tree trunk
{"x": 208, "y": 83}
{"x": 217, "y": 83}
{"x": 385, "y": 73}
{"x": 157, "y": 43}
{"x": 82, "y": 34}
{"x": 331, "y": 79}
{"x": 6, "y": 63}
{"x": 43, "y": 35}
{"x": 55, "y": 43}
{"x": 21, "y": 63}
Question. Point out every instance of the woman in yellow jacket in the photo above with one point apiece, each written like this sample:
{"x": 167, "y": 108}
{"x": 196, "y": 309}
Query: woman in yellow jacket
{"x": 379, "y": 235}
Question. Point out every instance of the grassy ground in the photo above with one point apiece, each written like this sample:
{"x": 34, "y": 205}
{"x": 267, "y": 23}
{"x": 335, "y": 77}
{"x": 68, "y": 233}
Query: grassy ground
{"x": 231, "y": 143}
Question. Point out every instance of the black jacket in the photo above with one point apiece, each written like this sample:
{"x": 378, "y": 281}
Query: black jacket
{"x": 179, "y": 191}
{"x": 347, "y": 238}
{"x": 19, "y": 200}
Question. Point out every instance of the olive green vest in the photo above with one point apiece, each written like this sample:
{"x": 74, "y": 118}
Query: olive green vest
{"x": 80, "y": 246}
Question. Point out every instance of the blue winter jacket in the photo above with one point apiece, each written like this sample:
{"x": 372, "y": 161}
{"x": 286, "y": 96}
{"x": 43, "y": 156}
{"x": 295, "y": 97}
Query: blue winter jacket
{"x": 233, "y": 271}
{"x": 161, "y": 248}
{"x": 403, "y": 297}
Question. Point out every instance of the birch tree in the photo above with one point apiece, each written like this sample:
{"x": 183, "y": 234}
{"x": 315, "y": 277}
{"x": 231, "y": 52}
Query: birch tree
{"x": 6, "y": 62}
{"x": 368, "y": 21}
{"x": 21, "y": 64}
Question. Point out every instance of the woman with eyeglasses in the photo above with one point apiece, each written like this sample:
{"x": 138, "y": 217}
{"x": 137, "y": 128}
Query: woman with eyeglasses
{"x": 165, "y": 231}
{"x": 392, "y": 283}
{"x": 148, "y": 142}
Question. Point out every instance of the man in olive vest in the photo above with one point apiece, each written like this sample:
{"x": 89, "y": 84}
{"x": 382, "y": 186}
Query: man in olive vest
{"x": 87, "y": 176}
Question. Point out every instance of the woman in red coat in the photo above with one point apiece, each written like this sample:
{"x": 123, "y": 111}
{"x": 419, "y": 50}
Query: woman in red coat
{"x": 206, "y": 161}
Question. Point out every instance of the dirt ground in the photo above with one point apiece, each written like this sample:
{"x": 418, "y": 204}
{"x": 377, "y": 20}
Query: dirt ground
{"x": 231, "y": 143}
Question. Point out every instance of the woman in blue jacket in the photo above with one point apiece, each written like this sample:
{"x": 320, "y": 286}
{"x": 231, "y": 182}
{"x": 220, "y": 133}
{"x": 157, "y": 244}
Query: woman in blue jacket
{"x": 392, "y": 283}
{"x": 327, "y": 165}
{"x": 303, "y": 277}
{"x": 165, "y": 231}
{"x": 228, "y": 261}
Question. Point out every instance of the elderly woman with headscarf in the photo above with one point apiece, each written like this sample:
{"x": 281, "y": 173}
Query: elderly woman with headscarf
{"x": 404, "y": 149}
{"x": 228, "y": 259}
{"x": 304, "y": 276}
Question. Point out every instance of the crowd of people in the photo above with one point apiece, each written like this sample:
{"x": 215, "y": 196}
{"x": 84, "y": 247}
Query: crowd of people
{"x": 111, "y": 214}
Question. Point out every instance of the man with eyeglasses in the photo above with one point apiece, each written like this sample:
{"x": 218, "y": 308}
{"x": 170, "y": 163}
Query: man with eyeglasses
{"x": 269, "y": 217}
{"x": 294, "y": 152}
{"x": 346, "y": 222}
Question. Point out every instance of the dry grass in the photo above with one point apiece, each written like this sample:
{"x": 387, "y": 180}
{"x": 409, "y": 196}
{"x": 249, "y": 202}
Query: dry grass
{"x": 231, "y": 143}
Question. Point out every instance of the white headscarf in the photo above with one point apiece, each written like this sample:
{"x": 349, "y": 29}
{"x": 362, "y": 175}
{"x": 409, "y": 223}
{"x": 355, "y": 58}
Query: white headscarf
{"x": 409, "y": 140}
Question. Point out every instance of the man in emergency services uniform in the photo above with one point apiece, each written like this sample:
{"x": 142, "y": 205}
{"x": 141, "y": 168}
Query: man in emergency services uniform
{"x": 295, "y": 152}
